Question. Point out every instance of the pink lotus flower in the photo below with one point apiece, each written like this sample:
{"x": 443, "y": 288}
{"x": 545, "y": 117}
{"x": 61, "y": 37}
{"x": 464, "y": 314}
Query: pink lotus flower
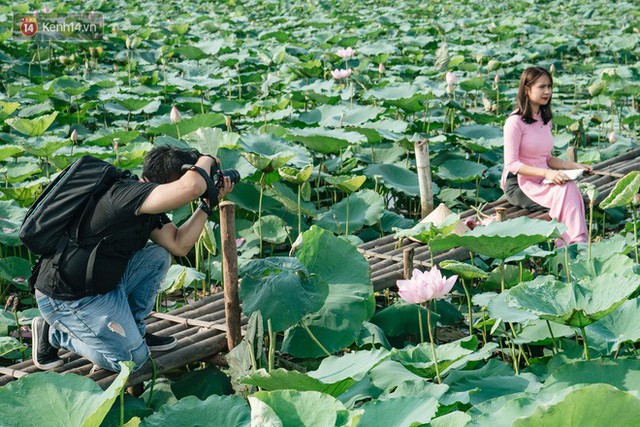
{"x": 381, "y": 68}
{"x": 451, "y": 79}
{"x": 341, "y": 74}
{"x": 346, "y": 53}
{"x": 175, "y": 115}
{"x": 425, "y": 286}
{"x": 612, "y": 137}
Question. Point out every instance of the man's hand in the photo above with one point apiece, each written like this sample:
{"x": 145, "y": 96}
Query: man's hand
{"x": 226, "y": 188}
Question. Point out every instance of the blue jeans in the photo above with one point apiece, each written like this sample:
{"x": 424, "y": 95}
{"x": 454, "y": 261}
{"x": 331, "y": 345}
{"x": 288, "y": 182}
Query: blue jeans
{"x": 109, "y": 328}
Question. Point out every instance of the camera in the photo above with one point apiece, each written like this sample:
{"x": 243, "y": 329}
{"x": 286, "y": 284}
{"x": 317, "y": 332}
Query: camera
{"x": 214, "y": 179}
{"x": 217, "y": 175}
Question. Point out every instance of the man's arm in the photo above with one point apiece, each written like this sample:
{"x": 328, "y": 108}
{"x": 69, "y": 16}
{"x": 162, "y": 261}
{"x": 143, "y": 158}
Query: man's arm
{"x": 167, "y": 197}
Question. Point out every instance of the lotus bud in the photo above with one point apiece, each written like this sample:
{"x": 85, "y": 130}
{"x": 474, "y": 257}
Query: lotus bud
{"x": 381, "y": 68}
{"x": 636, "y": 200}
{"x": 227, "y": 122}
{"x": 135, "y": 42}
{"x": 46, "y": 9}
{"x": 86, "y": 65}
{"x": 115, "y": 67}
{"x": 127, "y": 42}
{"x": 175, "y": 115}
{"x": 451, "y": 78}
{"x": 62, "y": 59}
{"x": 496, "y": 79}
{"x": 612, "y": 137}
{"x": 74, "y": 136}
{"x": 486, "y": 103}
{"x": 90, "y": 16}
{"x": 449, "y": 89}
{"x": 116, "y": 142}
{"x": 479, "y": 58}
{"x": 92, "y": 51}
{"x": 552, "y": 69}
{"x": 493, "y": 64}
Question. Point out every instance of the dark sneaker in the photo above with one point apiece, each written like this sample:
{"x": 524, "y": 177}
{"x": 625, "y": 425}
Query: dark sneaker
{"x": 160, "y": 343}
{"x": 44, "y": 355}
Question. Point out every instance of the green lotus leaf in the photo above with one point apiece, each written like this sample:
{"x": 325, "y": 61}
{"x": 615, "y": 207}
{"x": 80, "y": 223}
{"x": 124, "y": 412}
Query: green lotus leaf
{"x": 32, "y": 127}
{"x": 59, "y": 400}
{"x": 624, "y": 191}
{"x": 459, "y": 171}
{"x": 348, "y": 184}
{"x": 393, "y": 92}
{"x": 401, "y": 319}
{"x": 614, "y": 264}
{"x": 365, "y": 208}
{"x": 323, "y": 140}
{"x": 11, "y": 216}
{"x": 44, "y": 146}
{"x": 536, "y": 332}
{"x": 70, "y": 86}
{"x": 452, "y": 419}
{"x": 7, "y": 151}
{"x": 575, "y": 304}
{"x": 349, "y": 303}
{"x": 425, "y": 231}
{"x": 619, "y": 327}
{"x": 464, "y": 270}
{"x": 501, "y": 239}
{"x": 405, "y": 411}
{"x": 475, "y": 83}
{"x": 16, "y": 271}
{"x": 500, "y": 309}
{"x": 267, "y": 153}
{"x": 189, "y": 125}
{"x": 591, "y": 406}
{"x": 479, "y": 132}
{"x": 289, "y": 199}
{"x": 222, "y": 411}
{"x": 281, "y": 379}
{"x": 9, "y": 344}
{"x": 624, "y": 374}
{"x": 108, "y": 139}
{"x": 335, "y": 116}
{"x": 209, "y": 140}
{"x": 395, "y": 178}
{"x": 274, "y": 229}
{"x": 296, "y": 176}
{"x": 19, "y": 171}
{"x": 297, "y": 408}
{"x": 7, "y": 108}
{"x": 180, "y": 276}
{"x": 282, "y": 289}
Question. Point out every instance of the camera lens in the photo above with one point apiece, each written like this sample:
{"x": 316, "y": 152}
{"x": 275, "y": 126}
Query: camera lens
{"x": 233, "y": 175}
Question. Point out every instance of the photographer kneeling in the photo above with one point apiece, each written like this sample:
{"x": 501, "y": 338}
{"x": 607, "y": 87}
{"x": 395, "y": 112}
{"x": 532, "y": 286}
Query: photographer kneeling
{"x": 110, "y": 327}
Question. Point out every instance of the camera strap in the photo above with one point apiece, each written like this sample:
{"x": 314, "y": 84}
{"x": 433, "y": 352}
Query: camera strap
{"x": 212, "y": 191}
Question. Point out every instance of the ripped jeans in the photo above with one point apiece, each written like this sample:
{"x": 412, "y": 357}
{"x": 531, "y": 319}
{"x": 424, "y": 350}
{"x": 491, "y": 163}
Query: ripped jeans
{"x": 109, "y": 328}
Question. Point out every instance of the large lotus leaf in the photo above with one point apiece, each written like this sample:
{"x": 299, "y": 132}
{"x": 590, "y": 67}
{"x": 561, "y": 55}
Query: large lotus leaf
{"x": 180, "y": 276}
{"x": 297, "y": 408}
{"x": 622, "y": 325}
{"x": 624, "y": 191}
{"x": 323, "y": 140}
{"x": 335, "y": 116}
{"x": 52, "y": 399}
{"x": 7, "y": 151}
{"x": 365, "y": 208}
{"x": 19, "y": 171}
{"x": 70, "y": 86}
{"x": 282, "y": 289}
{"x": 575, "y": 304}
{"x": 452, "y": 419}
{"x": 483, "y": 137}
{"x": 267, "y": 153}
{"x": 595, "y": 405}
{"x": 500, "y": 309}
{"x": 501, "y": 239}
{"x": 296, "y": 176}
{"x": 11, "y": 216}
{"x": 395, "y": 178}
{"x": 32, "y": 127}
{"x": 274, "y": 229}
{"x": 281, "y": 379}
{"x": 189, "y": 125}
{"x": 285, "y": 195}
{"x": 459, "y": 171}
{"x": 16, "y": 270}
{"x": 354, "y": 365}
{"x": 251, "y": 349}
{"x": 401, "y": 411}
{"x": 536, "y": 332}
{"x": 494, "y": 379}
{"x": 9, "y": 344}
{"x": 425, "y": 231}
{"x": 208, "y": 140}
{"x": 349, "y": 302}
{"x": 614, "y": 264}
{"x": 464, "y": 270}
{"x": 401, "y": 318}
{"x": 624, "y": 374}
{"x": 44, "y": 146}
{"x": 202, "y": 383}
{"x": 346, "y": 183}
{"x": 222, "y": 411}
{"x": 422, "y": 387}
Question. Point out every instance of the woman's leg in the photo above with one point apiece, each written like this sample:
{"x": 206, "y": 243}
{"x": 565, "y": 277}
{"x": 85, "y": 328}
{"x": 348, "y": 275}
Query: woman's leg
{"x": 568, "y": 208}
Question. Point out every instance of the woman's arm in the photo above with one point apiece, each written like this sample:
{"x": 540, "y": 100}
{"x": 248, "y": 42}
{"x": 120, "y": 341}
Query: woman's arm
{"x": 556, "y": 163}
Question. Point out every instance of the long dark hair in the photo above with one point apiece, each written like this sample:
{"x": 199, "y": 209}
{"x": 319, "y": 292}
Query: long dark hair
{"x": 527, "y": 79}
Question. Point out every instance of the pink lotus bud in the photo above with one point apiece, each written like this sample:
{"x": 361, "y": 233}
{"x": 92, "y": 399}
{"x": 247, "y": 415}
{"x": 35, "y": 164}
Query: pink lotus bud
{"x": 175, "y": 115}
{"x": 552, "y": 69}
{"x": 341, "y": 74}
{"x": 496, "y": 79}
{"x": 346, "y": 53}
{"x": 90, "y": 16}
{"x": 116, "y": 143}
{"x": 612, "y": 137}
{"x": 74, "y": 136}
{"x": 381, "y": 68}
{"x": 451, "y": 78}
{"x": 449, "y": 89}
{"x": 46, "y": 9}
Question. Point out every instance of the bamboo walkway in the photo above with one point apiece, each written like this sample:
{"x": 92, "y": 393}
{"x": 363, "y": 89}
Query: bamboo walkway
{"x": 200, "y": 327}
{"x": 386, "y": 255}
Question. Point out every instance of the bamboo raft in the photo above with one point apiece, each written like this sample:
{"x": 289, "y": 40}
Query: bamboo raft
{"x": 387, "y": 255}
{"x": 201, "y": 327}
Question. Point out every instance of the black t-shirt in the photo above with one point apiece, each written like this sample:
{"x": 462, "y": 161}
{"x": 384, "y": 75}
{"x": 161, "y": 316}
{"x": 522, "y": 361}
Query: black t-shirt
{"x": 110, "y": 236}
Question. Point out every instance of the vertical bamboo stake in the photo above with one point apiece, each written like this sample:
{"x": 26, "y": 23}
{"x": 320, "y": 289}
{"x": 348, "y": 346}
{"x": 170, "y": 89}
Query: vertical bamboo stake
{"x": 501, "y": 214}
{"x": 407, "y": 262}
{"x": 571, "y": 153}
{"x": 424, "y": 177}
{"x": 230, "y": 273}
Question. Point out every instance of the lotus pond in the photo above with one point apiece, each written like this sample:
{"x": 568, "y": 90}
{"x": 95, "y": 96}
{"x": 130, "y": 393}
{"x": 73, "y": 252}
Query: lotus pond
{"x": 319, "y": 105}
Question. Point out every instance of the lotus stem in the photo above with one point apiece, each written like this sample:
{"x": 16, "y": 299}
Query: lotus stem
{"x": 178, "y": 130}
{"x": 501, "y": 276}
{"x": 154, "y": 375}
{"x": 252, "y": 356}
{"x": 512, "y": 346}
{"x": 272, "y": 345}
{"x": 299, "y": 210}
{"x": 469, "y": 307}
{"x": 553, "y": 338}
{"x": 122, "y": 406}
{"x": 313, "y": 337}
{"x": 590, "y": 227}
{"x": 420, "y": 325}
{"x": 346, "y": 226}
{"x": 585, "y": 343}
{"x": 635, "y": 230}
{"x": 433, "y": 347}
{"x": 260, "y": 210}
{"x": 566, "y": 260}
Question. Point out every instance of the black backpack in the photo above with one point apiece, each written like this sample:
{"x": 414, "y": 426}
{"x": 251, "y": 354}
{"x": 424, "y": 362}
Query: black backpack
{"x": 55, "y": 218}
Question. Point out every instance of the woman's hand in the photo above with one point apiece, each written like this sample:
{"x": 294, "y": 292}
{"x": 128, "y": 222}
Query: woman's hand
{"x": 556, "y": 177}
{"x": 575, "y": 165}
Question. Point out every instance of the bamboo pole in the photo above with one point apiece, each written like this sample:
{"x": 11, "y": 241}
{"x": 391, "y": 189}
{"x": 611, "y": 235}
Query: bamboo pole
{"x": 407, "y": 262}
{"x": 230, "y": 272}
{"x": 571, "y": 153}
{"x": 424, "y": 176}
{"x": 501, "y": 214}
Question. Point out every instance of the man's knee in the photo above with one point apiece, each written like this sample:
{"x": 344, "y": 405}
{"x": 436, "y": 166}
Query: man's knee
{"x": 160, "y": 255}
{"x": 138, "y": 355}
